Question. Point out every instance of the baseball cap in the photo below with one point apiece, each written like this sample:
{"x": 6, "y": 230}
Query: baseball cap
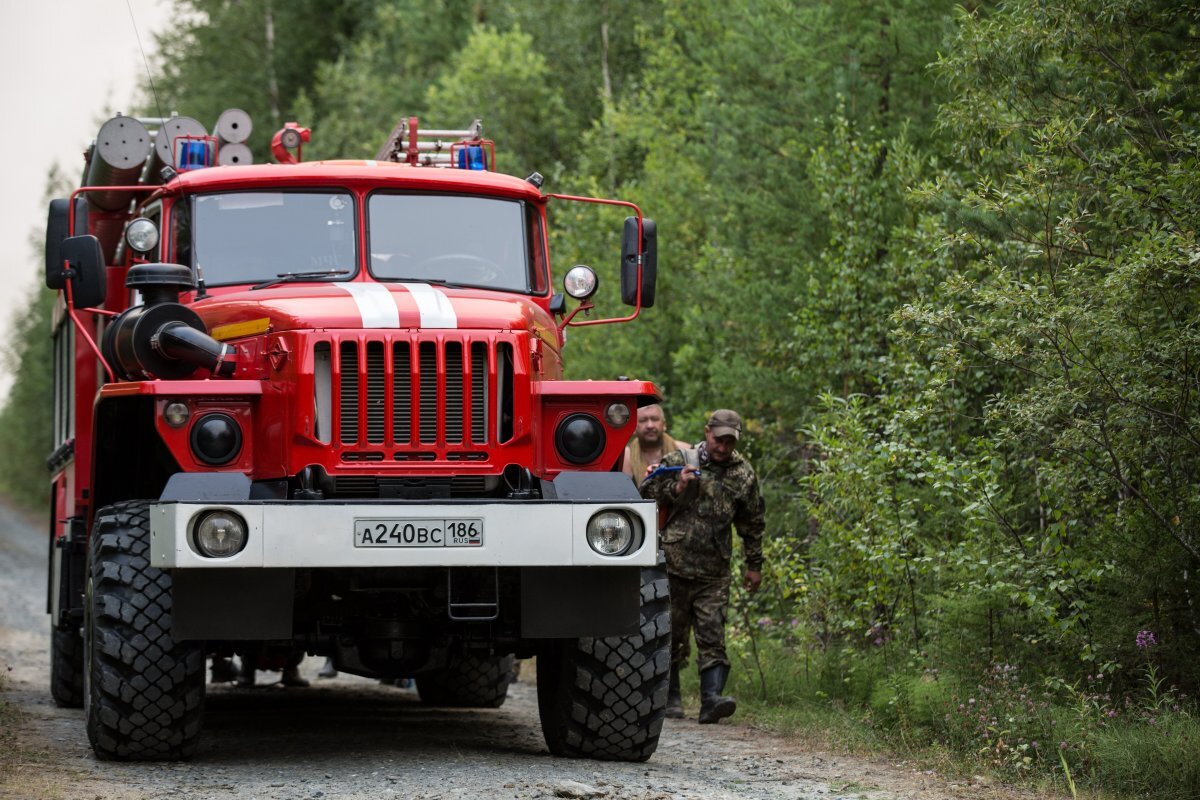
{"x": 725, "y": 422}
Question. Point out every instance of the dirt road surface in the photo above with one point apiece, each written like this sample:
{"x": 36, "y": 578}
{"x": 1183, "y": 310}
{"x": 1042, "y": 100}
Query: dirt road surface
{"x": 352, "y": 738}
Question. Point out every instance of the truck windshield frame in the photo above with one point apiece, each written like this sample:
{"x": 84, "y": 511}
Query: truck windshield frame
{"x": 254, "y": 236}
{"x": 464, "y": 240}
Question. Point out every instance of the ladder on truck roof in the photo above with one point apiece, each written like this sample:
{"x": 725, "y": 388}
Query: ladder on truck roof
{"x": 408, "y": 143}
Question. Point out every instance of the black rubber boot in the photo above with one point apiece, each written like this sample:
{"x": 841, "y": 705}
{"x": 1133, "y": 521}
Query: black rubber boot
{"x": 291, "y": 677}
{"x": 674, "y": 698}
{"x": 247, "y": 673}
{"x": 223, "y": 670}
{"x": 715, "y": 706}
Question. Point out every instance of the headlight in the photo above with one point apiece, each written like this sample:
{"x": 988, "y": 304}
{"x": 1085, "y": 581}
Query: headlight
{"x": 580, "y": 438}
{"x": 216, "y": 439}
{"x": 142, "y": 235}
{"x": 610, "y": 533}
{"x": 580, "y": 282}
{"x": 220, "y": 534}
{"x": 617, "y": 414}
{"x": 176, "y": 414}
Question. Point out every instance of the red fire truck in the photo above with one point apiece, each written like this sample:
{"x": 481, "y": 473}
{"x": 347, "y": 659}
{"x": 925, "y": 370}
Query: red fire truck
{"x": 320, "y": 408}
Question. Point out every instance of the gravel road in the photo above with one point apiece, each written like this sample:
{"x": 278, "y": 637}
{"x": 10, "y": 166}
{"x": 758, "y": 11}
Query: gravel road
{"x": 352, "y": 738}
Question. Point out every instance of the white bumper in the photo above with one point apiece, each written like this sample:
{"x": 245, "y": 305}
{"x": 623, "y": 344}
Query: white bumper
{"x": 322, "y": 534}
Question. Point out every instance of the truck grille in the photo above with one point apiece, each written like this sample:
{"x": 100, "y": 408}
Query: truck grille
{"x": 421, "y": 398}
{"x": 371, "y": 486}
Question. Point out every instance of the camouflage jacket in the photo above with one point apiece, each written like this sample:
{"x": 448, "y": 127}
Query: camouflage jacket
{"x": 698, "y": 537}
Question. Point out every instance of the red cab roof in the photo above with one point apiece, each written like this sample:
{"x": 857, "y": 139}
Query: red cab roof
{"x": 357, "y": 174}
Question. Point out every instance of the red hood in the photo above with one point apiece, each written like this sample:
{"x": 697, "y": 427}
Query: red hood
{"x": 358, "y": 304}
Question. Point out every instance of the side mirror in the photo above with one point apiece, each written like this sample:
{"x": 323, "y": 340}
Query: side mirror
{"x": 629, "y": 262}
{"x": 86, "y": 262}
{"x": 57, "y": 229}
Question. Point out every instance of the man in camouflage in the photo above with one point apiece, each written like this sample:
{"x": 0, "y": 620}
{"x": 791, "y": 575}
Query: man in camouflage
{"x": 703, "y": 504}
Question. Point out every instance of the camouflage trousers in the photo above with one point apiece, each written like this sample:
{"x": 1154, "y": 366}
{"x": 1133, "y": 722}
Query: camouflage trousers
{"x": 698, "y": 606}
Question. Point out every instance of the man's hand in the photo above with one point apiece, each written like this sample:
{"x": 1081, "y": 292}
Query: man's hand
{"x": 686, "y": 476}
{"x": 752, "y": 580}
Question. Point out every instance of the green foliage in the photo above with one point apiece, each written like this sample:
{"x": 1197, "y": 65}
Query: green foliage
{"x": 356, "y": 98}
{"x": 1081, "y": 308}
{"x": 257, "y": 55}
{"x": 26, "y": 417}
{"x": 498, "y": 76}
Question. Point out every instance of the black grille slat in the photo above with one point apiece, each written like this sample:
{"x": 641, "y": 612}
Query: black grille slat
{"x": 454, "y": 392}
{"x": 348, "y": 390}
{"x": 479, "y": 393}
{"x": 429, "y": 393}
{"x": 376, "y": 393}
{"x": 504, "y": 391}
{"x": 401, "y": 393}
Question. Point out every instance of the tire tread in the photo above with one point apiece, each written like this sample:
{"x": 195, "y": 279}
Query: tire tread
{"x": 469, "y": 682}
{"x": 606, "y": 698}
{"x": 147, "y": 690}
{"x": 66, "y": 667}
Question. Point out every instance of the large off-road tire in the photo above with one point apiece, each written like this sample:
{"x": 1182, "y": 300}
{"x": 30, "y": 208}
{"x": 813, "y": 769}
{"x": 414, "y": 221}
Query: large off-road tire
{"x": 468, "y": 682}
{"x": 144, "y": 692}
{"x": 66, "y": 667}
{"x": 606, "y": 698}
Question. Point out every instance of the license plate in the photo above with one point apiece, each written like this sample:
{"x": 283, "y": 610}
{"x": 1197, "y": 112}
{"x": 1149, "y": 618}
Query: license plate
{"x": 393, "y": 532}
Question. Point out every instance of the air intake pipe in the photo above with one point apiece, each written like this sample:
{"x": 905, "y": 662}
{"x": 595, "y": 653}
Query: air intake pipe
{"x": 161, "y": 338}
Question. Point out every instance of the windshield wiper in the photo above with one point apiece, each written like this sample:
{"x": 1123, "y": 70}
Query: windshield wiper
{"x": 287, "y": 277}
{"x": 438, "y": 281}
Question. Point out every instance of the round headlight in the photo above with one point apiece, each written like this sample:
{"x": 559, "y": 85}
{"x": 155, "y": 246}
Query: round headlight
{"x": 216, "y": 439}
{"x": 610, "y": 533}
{"x": 220, "y": 534}
{"x": 580, "y": 438}
{"x": 142, "y": 235}
{"x": 176, "y": 414}
{"x": 580, "y": 282}
{"x": 617, "y": 414}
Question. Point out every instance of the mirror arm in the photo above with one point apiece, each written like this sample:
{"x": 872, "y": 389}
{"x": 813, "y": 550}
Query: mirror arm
{"x": 601, "y": 201}
{"x": 636, "y": 313}
{"x": 586, "y": 305}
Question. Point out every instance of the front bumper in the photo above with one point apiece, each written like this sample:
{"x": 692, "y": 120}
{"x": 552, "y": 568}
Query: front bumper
{"x": 287, "y": 534}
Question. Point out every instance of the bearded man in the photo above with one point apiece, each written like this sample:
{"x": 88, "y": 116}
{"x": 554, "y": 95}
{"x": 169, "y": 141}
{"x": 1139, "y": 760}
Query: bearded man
{"x": 649, "y": 444}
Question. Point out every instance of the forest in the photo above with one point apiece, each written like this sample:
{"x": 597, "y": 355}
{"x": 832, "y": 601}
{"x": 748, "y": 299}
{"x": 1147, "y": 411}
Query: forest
{"x": 942, "y": 257}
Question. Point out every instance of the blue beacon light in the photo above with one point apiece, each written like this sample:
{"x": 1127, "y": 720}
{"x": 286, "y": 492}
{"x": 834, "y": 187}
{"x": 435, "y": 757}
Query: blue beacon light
{"x": 194, "y": 154}
{"x": 471, "y": 157}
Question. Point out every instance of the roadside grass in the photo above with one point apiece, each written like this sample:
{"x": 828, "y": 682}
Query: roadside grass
{"x": 12, "y": 754}
{"x": 1159, "y": 759}
{"x": 813, "y": 723}
{"x": 1050, "y": 739}
{"x": 9, "y": 717}
{"x": 25, "y": 770}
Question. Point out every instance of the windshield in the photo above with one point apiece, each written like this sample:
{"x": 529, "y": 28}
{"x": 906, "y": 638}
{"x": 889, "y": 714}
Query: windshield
{"x": 249, "y": 237}
{"x": 473, "y": 241}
